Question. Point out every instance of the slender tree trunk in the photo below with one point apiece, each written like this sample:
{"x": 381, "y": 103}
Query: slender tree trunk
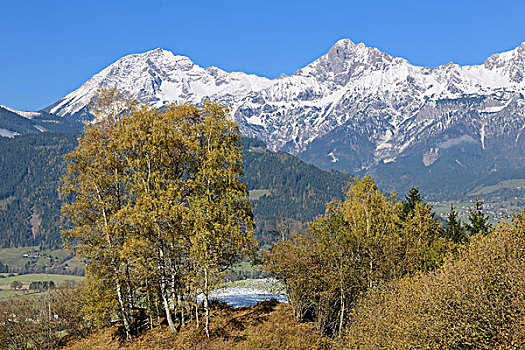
{"x": 157, "y": 308}
{"x": 129, "y": 294}
{"x": 117, "y": 278}
{"x": 341, "y": 319}
{"x": 163, "y": 283}
{"x": 197, "y": 313}
{"x": 206, "y": 304}
{"x": 166, "y": 304}
{"x": 122, "y": 306}
{"x": 181, "y": 308}
{"x": 148, "y": 307}
{"x": 370, "y": 273}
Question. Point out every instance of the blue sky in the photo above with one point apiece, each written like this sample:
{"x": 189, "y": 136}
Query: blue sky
{"x": 49, "y": 48}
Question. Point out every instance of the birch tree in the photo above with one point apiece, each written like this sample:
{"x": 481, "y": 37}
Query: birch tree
{"x": 222, "y": 218}
{"x": 157, "y": 207}
{"x": 95, "y": 180}
{"x": 161, "y": 152}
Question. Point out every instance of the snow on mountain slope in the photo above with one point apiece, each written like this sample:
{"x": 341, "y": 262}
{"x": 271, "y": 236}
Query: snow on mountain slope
{"x": 355, "y": 97}
{"x": 28, "y": 115}
{"x": 159, "y": 77}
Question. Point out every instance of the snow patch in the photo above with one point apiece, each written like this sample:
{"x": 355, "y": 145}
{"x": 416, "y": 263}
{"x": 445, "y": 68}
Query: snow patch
{"x": 7, "y": 133}
{"x": 431, "y": 156}
{"x": 493, "y": 109}
{"x": 456, "y": 141}
{"x": 334, "y": 158}
{"x": 482, "y": 136}
{"x": 460, "y": 164}
{"x": 28, "y": 115}
{"x": 256, "y": 120}
{"x": 248, "y": 292}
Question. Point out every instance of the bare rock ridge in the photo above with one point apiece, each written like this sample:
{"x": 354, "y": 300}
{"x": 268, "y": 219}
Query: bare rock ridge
{"x": 355, "y": 108}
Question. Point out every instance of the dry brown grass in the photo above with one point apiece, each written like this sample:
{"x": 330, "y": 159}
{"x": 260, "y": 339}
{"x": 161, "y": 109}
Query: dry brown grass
{"x": 269, "y": 325}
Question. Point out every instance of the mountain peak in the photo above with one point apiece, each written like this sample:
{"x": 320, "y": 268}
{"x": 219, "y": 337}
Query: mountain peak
{"x": 343, "y": 43}
{"x": 346, "y": 59}
{"x": 510, "y": 63}
{"x": 151, "y": 53}
{"x": 157, "y": 51}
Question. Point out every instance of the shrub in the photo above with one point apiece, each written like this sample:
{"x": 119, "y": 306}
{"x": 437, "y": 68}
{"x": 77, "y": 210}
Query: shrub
{"x": 474, "y": 302}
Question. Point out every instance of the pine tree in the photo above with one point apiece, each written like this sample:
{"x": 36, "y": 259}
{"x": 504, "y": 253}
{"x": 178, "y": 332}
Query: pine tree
{"x": 412, "y": 198}
{"x": 478, "y": 221}
{"x": 454, "y": 229}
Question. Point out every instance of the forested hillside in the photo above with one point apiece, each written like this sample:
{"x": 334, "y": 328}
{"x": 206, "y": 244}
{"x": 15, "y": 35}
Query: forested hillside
{"x": 295, "y": 192}
{"x": 12, "y": 123}
{"x": 32, "y": 165}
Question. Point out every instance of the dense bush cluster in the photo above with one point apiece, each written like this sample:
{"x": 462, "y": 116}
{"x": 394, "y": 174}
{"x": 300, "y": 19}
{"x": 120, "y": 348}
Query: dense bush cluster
{"x": 383, "y": 274}
{"x": 474, "y": 302}
{"x": 363, "y": 242}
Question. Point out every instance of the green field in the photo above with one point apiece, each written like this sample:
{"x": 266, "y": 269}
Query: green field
{"x": 256, "y": 194}
{"x": 515, "y": 184}
{"x": 26, "y": 279}
{"x": 7, "y": 292}
{"x": 12, "y": 256}
{"x": 34, "y": 259}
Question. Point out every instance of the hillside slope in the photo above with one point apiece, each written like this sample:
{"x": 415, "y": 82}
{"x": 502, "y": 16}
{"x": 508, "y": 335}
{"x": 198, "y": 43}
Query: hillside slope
{"x": 32, "y": 165}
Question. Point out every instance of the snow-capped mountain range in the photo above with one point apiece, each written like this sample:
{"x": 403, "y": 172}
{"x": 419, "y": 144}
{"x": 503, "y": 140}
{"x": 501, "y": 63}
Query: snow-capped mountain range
{"x": 353, "y": 108}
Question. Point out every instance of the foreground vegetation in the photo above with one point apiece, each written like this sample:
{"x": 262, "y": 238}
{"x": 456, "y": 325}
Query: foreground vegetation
{"x": 158, "y": 209}
{"x": 474, "y": 300}
{"x": 363, "y": 242}
{"x": 43, "y": 320}
{"x": 268, "y": 325}
{"x": 382, "y": 274}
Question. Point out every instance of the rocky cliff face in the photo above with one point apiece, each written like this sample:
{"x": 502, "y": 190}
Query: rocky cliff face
{"x": 355, "y": 108}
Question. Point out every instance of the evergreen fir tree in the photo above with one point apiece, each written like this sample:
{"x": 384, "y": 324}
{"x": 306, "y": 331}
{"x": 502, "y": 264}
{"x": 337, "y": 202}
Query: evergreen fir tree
{"x": 478, "y": 221}
{"x": 412, "y": 198}
{"x": 454, "y": 229}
